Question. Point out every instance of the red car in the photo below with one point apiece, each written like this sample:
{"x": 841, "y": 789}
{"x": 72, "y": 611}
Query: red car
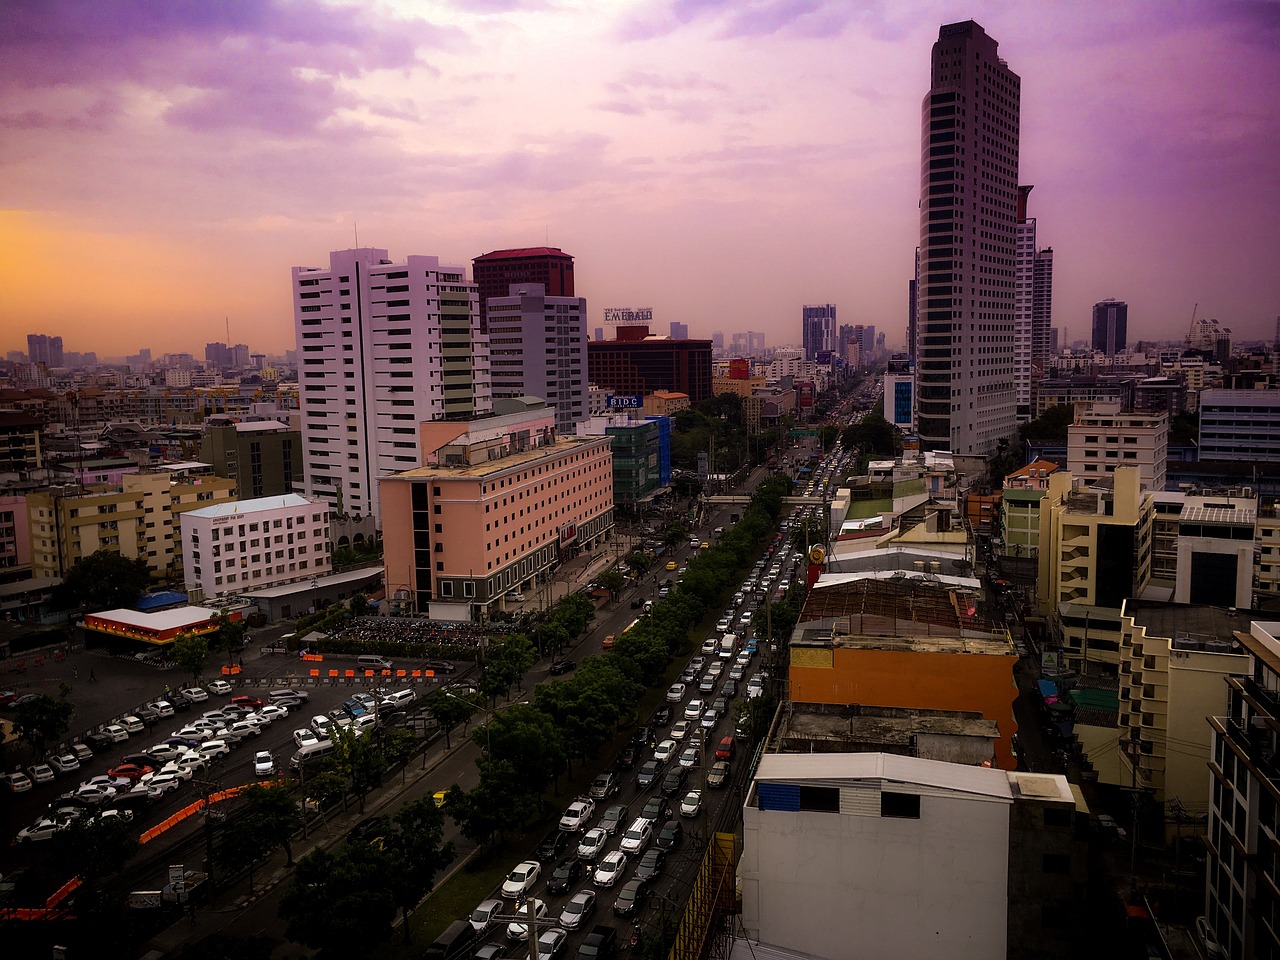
{"x": 725, "y": 750}
{"x": 130, "y": 771}
{"x": 244, "y": 700}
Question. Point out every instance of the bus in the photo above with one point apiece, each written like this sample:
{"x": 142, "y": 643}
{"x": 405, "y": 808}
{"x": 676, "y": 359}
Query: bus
{"x": 608, "y": 641}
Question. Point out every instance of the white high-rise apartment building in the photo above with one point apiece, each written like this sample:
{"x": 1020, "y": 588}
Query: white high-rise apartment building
{"x": 382, "y": 347}
{"x": 966, "y": 397}
{"x": 538, "y": 347}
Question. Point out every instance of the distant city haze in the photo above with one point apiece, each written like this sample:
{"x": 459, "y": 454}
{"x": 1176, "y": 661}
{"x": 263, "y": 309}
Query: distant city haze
{"x": 722, "y": 163}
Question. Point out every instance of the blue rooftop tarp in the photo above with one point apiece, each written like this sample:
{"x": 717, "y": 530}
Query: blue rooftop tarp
{"x": 1047, "y": 688}
{"x": 167, "y": 598}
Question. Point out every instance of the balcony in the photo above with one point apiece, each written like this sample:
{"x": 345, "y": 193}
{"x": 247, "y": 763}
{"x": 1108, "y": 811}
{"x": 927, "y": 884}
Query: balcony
{"x": 1257, "y": 747}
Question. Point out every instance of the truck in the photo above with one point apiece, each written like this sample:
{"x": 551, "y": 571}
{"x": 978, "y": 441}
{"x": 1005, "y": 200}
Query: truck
{"x": 728, "y": 646}
{"x": 600, "y": 943}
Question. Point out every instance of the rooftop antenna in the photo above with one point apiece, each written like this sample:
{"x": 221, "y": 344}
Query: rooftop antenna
{"x": 355, "y": 227}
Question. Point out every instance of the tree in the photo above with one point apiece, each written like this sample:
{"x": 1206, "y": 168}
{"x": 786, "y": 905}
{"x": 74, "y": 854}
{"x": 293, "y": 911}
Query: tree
{"x": 448, "y": 710}
{"x": 244, "y": 840}
{"x": 191, "y": 654}
{"x": 416, "y": 852}
{"x": 613, "y": 581}
{"x": 231, "y": 634}
{"x": 339, "y": 904}
{"x": 105, "y": 580}
{"x": 359, "y": 761}
{"x": 506, "y": 664}
{"x": 43, "y": 720}
{"x": 359, "y": 605}
{"x": 276, "y": 813}
{"x": 638, "y": 561}
{"x": 94, "y": 849}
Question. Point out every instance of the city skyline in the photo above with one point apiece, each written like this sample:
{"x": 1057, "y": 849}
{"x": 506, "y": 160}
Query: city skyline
{"x": 164, "y": 173}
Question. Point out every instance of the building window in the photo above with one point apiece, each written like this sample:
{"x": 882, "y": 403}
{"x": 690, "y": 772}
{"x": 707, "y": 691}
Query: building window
{"x": 902, "y": 805}
{"x": 1057, "y": 863}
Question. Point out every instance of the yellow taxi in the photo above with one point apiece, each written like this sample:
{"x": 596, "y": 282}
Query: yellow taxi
{"x": 671, "y": 564}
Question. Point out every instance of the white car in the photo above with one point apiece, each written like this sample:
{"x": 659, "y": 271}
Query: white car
{"x": 710, "y": 645}
{"x": 676, "y": 692}
{"x": 65, "y": 763}
{"x": 213, "y": 749}
{"x": 689, "y": 758}
{"x": 482, "y": 917}
{"x": 691, "y": 804}
{"x": 755, "y": 687}
{"x": 693, "y": 710}
{"x": 220, "y": 687}
{"x": 521, "y": 879}
{"x": 578, "y": 909}
{"x": 637, "y": 836}
{"x": 186, "y": 765}
{"x": 40, "y": 773}
{"x": 40, "y": 830}
{"x": 264, "y": 764}
{"x": 680, "y": 730}
{"x": 132, "y": 724}
{"x": 576, "y": 816}
{"x": 609, "y": 869}
{"x": 243, "y": 728}
{"x": 664, "y": 751}
{"x": 593, "y": 842}
{"x": 304, "y": 736}
{"x": 116, "y": 732}
{"x": 273, "y": 711}
{"x": 161, "y": 781}
{"x": 520, "y": 931}
{"x": 195, "y": 694}
{"x": 162, "y": 708}
{"x": 193, "y": 733}
{"x": 16, "y": 782}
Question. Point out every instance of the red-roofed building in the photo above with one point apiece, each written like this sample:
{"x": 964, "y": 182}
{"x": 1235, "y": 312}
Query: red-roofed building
{"x": 494, "y": 273}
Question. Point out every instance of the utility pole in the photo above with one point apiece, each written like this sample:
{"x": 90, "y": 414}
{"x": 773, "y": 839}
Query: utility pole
{"x": 1134, "y": 749}
{"x": 207, "y": 787}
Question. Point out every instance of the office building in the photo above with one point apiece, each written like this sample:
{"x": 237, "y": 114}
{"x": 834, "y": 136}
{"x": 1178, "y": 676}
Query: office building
{"x": 538, "y": 348}
{"x": 1033, "y": 307}
{"x": 251, "y": 544}
{"x": 913, "y": 309}
{"x": 1105, "y": 437}
{"x": 641, "y": 451}
{"x": 382, "y": 347}
{"x": 264, "y": 457}
{"x": 42, "y": 348}
{"x": 679, "y": 331}
{"x": 966, "y": 400}
{"x": 1110, "y": 327}
{"x": 899, "y": 388}
{"x": 1242, "y": 425}
{"x": 497, "y": 505}
{"x": 817, "y": 329}
{"x": 496, "y": 271}
{"x": 636, "y": 365}
{"x": 1242, "y": 889}
{"x": 876, "y": 855}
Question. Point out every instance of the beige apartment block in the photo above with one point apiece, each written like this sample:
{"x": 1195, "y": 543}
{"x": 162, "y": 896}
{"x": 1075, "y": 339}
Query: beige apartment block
{"x": 1104, "y": 438}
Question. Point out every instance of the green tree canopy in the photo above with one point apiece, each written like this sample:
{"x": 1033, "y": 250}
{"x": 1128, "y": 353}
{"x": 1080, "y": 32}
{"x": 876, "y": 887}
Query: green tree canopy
{"x": 415, "y": 851}
{"x": 339, "y": 903}
{"x": 43, "y": 721}
{"x": 191, "y": 654}
{"x": 106, "y": 580}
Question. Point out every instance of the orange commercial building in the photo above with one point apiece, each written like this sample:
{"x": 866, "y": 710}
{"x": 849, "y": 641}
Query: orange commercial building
{"x": 907, "y": 643}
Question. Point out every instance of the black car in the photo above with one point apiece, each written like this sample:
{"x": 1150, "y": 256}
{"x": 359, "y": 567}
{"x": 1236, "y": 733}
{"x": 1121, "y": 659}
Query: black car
{"x": 643, "y": 737}
{"x": 98, "y": 741}
{"x": 648, "y": 773}
{"x": 561, "y": 666}
{"x": 599, "y": 944}
{"x": 141, "y": 759}
{"x": 631, "y": 897}
{"x": 651, "y": 864}
{"x": 603, "y": 787}
{"x": 627, "y": 758}
{"x": 553, "y": 846}
{"x": 673, "y": 782}
{"x": 670, "y": 835}
{"x": 656, "y": 810}
{"x": 662, "y": 716}
{"x": 565, "y": 875}
{"x": 368, "y": 830}
{"x": 440, "y": 666}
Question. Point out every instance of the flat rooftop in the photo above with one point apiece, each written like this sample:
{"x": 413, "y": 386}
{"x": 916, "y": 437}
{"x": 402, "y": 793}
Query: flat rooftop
{"x": 1200, "y": 620}
{"x": 490, "y": 467}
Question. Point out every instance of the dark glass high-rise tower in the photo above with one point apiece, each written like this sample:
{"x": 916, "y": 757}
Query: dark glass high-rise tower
{"x": 965, "y": 396}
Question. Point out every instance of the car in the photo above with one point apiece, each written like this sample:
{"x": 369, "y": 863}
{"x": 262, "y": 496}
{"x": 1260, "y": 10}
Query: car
{"x": 627, "y": 757}
{"x": 578, "y": 813}
{"x": 116, "y": 732}
{"x": 755, "y": 688}
{"x": 91, "y": 793}
{"x": 691, "y": 805}
{"x": 161, "y": 708}
{"x": 599, "y": 944}
{"x": 651, "y": 864}
{"x": 673, "y": 781}
{"x": 610, "y": 869}
{"x": 553, "y": 846}
{"x": 304, "y": 736}
{"x": 521, "y": 879}
{"x": 648, "y": 773}
{"x": 440, "y": 666}
{"x": 613, "y": 818}
{"x": 689, "y": 757}
{"x": 64, "y": 763}
{"x": 214, "y": 749}
{"x": 264, "y": 764}
{"x": 42, "y": 829}
{"x": 676, "y": 692}
{"x": 247, "y": 700}
{"x": 736, "y": 672}
{"x": 707, "y": 684}
{"x": 482, "y": 917}
{"x": 689, "y": 676}
{"x": 184, "y": 743}
{"x": 656, "y": 810}
{"x": 257, "y": 720}
{"x": 132, "y": 723}
{"x": 711, "y": 644}
{"x": 7, "y": 697}
{"x": 220, "y": 687}
{"x": 40, "y": 773}
{"x": 559, "y": 667}
{"x": 680, "y": 730}
{"x": 198, "y": 734}
{"x": 697, "y": 663}
{"x": 693, "y": 709}
{"x": 664, "y": 751}
{"x": 592, "y": 843}
{"x": 710, "y": 718}
{"x": 551, "y": 943}
{"x": 187, "y": 765}
{"x": 494, "y": 950}
{"x": 669, "y": 836}
{"x": 644, "y": 737}
{"x": 718, "y": 775}
{"x": 519, "y": 930}
{"x": 196, "y": 694}
{"x": 161, "y": 781}
{"x": 579, "y": 908}
{"x": 671, "y": 565}
{"x": 518, "y": 597}
{"x": 604, "y": 786}
{"x": 16, "y": 782}
{"x": 130, "y": 771}
{"x": 745, "y": 619}
{"x": 630, "y": 897}
{"x": 82, "y": 752}
{"x": 1213, "y": 948}
{"x": 289, "y": 693}
{"x": 565, "y": 875}
{"x": 273, "y": 711}
{"x": 637, "y": 836}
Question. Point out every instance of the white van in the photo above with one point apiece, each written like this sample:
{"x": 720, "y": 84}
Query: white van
{"x": 310, "y": 753}
{"x": 728, "y": 646}
{"x": 401, "y": 697}
{"x": 369, "y": 661}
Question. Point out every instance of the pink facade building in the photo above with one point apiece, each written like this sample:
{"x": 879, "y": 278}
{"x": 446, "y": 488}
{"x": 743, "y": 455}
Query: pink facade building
{"x": 498, "y": 504}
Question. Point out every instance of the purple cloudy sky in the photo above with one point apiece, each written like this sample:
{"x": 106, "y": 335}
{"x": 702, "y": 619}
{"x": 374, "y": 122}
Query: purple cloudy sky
{"x": 164, "y": 162}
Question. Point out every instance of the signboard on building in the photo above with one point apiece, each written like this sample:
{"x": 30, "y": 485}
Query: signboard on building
{"x": 568, "y": 532}
{"x": 617, "y": 402}
{"x": 739, "y": 368}
{"x": 805, "y": 391}
{"x": 626, "y": 316}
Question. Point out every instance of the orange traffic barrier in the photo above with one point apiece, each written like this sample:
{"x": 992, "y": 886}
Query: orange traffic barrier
{"x": 313, "y": 672}
{"x": 348, "y": 673}
{"x": 63, "y": 892}
{"x": 333, "y": 673}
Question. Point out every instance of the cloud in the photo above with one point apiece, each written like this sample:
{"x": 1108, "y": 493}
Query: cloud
{"x": 740, "y": 19}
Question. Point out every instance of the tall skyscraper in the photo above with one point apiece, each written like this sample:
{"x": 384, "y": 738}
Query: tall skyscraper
{"x": 818, "y": 329}
{"x": 44, "y": 349}
{"x": 966, "y": 399}
{"x": 913, "y": 308}
{"x": 382, "y": 347}
{"x": 538, "y": 348}
{"x": 494, "y": 272}
{"x": 1033, "y": 309}
{"x": 1110, "y": 326}
{"x": 1043, "y": 341}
